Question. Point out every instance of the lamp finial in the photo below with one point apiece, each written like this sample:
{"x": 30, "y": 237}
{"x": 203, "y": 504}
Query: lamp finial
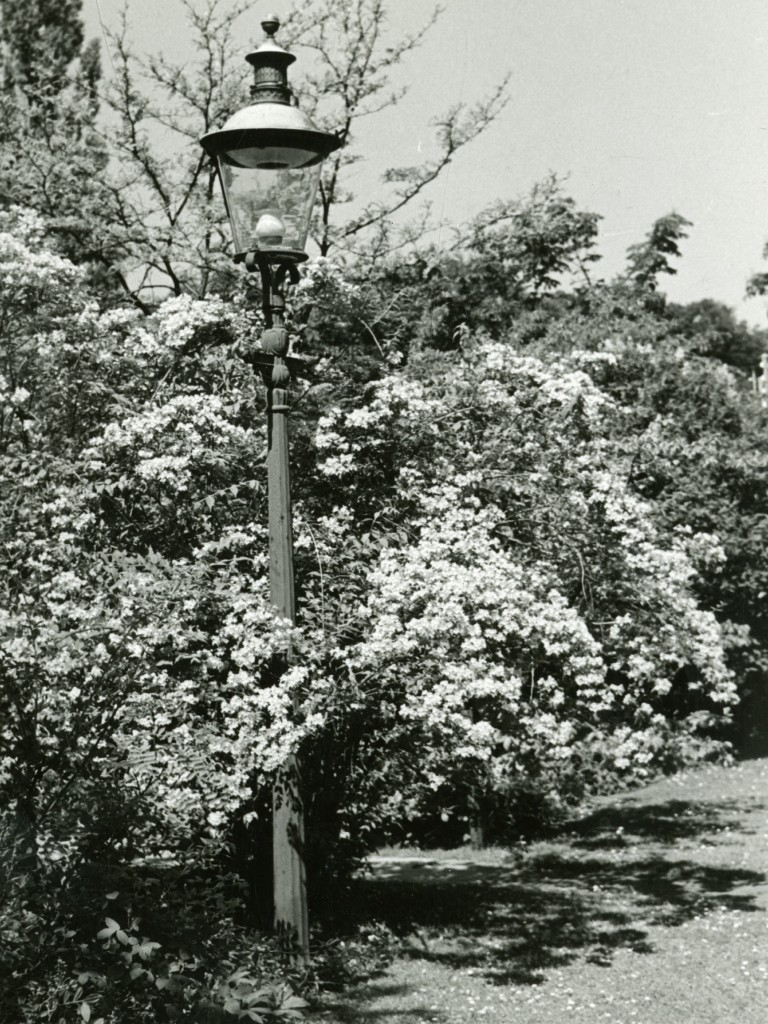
{"x": 270, "y": 65}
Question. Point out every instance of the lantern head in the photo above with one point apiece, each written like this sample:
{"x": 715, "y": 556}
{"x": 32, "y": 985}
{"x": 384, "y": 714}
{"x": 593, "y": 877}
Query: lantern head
{"x": 269, "y": 156}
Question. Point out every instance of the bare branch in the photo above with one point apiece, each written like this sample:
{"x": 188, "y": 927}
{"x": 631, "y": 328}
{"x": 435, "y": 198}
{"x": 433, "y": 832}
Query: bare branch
{"x": 455, "y": 129}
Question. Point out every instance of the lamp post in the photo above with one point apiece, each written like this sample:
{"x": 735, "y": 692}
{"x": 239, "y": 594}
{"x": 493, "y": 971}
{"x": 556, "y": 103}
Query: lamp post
{"x": 269, "y": 156}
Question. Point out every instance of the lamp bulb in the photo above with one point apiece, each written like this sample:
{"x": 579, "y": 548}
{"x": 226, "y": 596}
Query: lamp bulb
{"x": 270, "y": 230}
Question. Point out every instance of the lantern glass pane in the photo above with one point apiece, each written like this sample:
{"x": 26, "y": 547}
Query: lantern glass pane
{"x": 269, "y": 207}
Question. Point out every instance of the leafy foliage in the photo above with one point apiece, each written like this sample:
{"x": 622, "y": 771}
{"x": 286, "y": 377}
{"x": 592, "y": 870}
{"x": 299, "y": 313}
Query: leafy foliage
{"x": 505, "y": 262}
{"x": 712, "y": 330}
{"x": 40, "y": 39}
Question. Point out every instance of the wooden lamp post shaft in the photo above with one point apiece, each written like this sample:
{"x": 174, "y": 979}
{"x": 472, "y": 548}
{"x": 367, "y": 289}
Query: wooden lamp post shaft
{"x": 289, "y": 872}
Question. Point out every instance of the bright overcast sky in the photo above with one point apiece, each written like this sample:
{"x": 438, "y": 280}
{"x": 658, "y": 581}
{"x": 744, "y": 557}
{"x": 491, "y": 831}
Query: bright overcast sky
{"x": 648, "y": 106}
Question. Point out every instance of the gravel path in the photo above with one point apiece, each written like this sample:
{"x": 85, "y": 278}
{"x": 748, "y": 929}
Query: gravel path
{"x": 651, "y": 908}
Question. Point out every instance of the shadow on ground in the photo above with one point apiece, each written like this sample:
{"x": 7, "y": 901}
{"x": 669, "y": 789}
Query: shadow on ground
{"x": 342, "y": 1012}
{"x": 584, "y": 894}
{"x": 658, "y": 823}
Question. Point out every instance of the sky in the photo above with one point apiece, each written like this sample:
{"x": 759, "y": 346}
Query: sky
{"x": 645, "y": 106}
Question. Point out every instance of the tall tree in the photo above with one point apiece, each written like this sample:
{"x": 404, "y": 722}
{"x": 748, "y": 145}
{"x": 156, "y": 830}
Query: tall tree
{"x": 39, "y": 40}
{"x": 51, "y": 158}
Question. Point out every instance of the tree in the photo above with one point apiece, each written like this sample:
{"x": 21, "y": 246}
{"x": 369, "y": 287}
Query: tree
{"x": 151, "y": 213}
{"x": 713, "y": 331}
{"x": 352, "y": 81}
{"x": 144, "y": 435}
{"x": 508, "y": 260}
{"x": 39, "y": 41}
{"x": 692, "y": 432}
{"x": 758, "y": 282}
{"x": 649, "y": 258}
{"x": 51, "y": 158}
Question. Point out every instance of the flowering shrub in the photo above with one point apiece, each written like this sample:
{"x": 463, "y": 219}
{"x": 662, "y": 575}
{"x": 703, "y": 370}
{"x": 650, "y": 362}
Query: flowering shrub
{"x": 134, "y": 618}
{"x": 692, "y": 434}
{"x": 532, "y": 607}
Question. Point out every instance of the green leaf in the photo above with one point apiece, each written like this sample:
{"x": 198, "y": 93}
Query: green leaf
{"x": 294, "y": 1003}
{"x": 109, "y": 931}
{"x": 254, "y": 998}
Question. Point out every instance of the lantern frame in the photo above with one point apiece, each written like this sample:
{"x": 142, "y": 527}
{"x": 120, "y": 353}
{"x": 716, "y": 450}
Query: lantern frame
{"x": 271, "y": 135}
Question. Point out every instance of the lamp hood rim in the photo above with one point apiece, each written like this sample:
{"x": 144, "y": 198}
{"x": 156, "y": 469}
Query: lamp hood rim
{"x": 264, "y": 124}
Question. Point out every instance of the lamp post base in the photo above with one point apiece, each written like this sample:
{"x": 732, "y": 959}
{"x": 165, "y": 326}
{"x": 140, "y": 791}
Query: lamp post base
{"x": 290, "y": 882}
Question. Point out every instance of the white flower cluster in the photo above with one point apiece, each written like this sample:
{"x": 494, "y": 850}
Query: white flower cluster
{"x": 30, "y": 275}
{"x": 510, "y": 595}
{"x": 479, "y": 647}
{"x": 180, "y": 317}
{"x": 166, "y": 441}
